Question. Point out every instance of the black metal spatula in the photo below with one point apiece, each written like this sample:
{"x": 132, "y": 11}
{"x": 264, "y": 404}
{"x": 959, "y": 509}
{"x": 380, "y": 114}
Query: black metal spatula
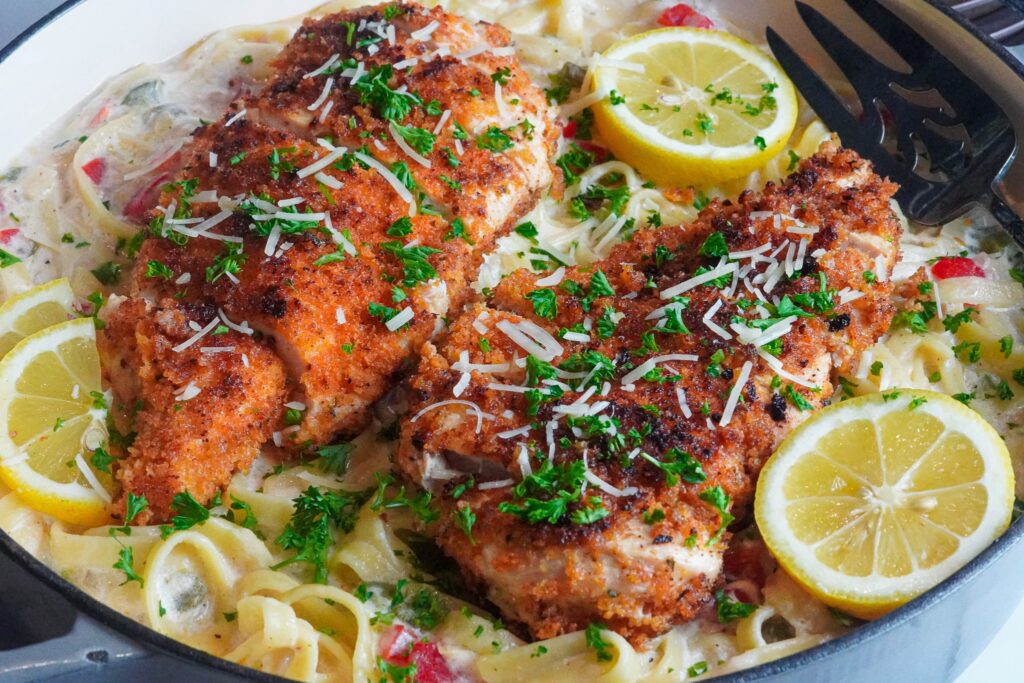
{"x": 932, "y": 130}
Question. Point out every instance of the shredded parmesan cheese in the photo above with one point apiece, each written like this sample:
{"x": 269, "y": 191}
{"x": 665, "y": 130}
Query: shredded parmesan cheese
{"x": 734, "y": 395}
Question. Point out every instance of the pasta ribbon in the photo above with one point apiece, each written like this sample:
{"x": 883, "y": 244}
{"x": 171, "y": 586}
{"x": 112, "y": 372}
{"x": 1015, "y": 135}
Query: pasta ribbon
{"x": 369, "y": 552}
{"x": 563, "y": 658}
{"x": 190, "y": 580}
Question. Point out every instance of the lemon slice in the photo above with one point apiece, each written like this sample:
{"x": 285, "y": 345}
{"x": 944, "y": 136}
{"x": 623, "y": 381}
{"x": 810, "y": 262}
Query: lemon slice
{"x": 51, "y": 415}
{"x": 34, "y": 310}
{"x": 875, "y": 500}
{"x": 688, "y": 106}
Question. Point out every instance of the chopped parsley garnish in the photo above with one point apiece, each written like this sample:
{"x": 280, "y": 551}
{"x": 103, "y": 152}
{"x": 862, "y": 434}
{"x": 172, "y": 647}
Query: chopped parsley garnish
{"x": 382, "y": 313}
{"x": 278, "y": 164}
{"x": 1006, "y": 346}
{"x": 308, "y": 532}
{"x": 678, "y": 465}
{"x": 729, "y": 610}
{"x": 965, "y": 397}
{"x": 420, "y": 505}
{"x": 400, "y": 228}
{"x": 419, "y": 139}
{"x": 714, "y": 246}
{"x": 606, "y": 324}
{"x": 101, "y": 460}
{"x": 615, "y": 98}
{"x": 502, "y": 75}
{"x": 582, "y": 204}
{"x": 334, "y": 458}
{"x": 601, "y": 647}
{"x": 157, "y": 269}
{"x": 126, "y": 563}
{"x": 972, "y": 351}
{"x": 598, "y": 366}
{"x": 796, "y": 398}
{"x": 794, "y": 159}
{"x": 705, "y": 124}
{"x": 465, "y": 518}
{"x": 599, "y": 285}
{"x": 494, "y": 140}
{"x": 107, "y": 273}
{"x": 388, "y": 104}
{"x": 433, "y": 108}
{"x": 133, "y": 506}
{"x": 527, "y": 230}
{"x": 654, "y": 516}
{"x": 457, "y": 230}
{"x": 574, "y": 162}
{"x": 249, "y": 521}
{"x": 188, "y": 512}
{"x": 700, "y": 201}
{"x": 718, "y": 499}
{"x": 416, "y": 268}
{"x": 452, "y": 184}
{"x": 288, "y": 220}
{"x": 547, "y": 494}
{"x": 545, "y": 304}
{"x": 230, "y": 261}
{"x": 536, "y": 370}
{"x": 331, "y": 257}
{"x": 952, "y": 323}
{"x": 698, "y": 669}
{"x": 1003, "y": 390}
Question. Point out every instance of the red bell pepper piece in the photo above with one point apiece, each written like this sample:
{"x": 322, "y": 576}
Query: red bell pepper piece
{"x": 684, "y": 15}
{"x": 95, "y": 169}
{"x": 956, "y": 266}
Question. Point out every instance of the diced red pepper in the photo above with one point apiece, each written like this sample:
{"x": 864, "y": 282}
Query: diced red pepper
{"x": 599, "y": 152}
{"x": 94, "y": 169}
{"x": 400, "y": 647}
{"x": 145, "y": 199}
{"x": 7, "y": 235}
{"x": 570, "y": 130}
{"x": 394, "y": 645}
{"x": 430, "y": 665}
{"x": 956, "y": 266}
{"x": 684, "y": 15}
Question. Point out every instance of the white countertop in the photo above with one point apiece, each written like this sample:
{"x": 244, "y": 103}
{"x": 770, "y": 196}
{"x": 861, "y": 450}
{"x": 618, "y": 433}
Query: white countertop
{"x": 994, "y": 663}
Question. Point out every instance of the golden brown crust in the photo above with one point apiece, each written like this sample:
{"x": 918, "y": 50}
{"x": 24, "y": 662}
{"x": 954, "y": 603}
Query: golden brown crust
{"x": 307, "y": 303}
{"x": 638, "y": 578}
{"x": 184, "y": 442}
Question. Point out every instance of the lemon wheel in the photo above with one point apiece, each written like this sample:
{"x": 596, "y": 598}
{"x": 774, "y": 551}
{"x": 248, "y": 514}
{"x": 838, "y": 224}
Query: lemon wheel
{"x": 52, "y": 414}
{"x": 34, "y": 310}
{"x": 875, "y": 500}
{"x": 688, "y": 106}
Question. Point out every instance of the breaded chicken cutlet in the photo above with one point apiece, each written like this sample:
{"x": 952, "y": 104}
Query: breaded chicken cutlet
{"x": 314, "y": 239}
{"x": 590, "y": 441}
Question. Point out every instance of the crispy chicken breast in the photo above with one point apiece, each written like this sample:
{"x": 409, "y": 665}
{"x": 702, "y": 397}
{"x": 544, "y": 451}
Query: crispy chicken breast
{"x": 331, "y": 221}
{"x": 221, "y": 398}
{"x": 591, "y": 440}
